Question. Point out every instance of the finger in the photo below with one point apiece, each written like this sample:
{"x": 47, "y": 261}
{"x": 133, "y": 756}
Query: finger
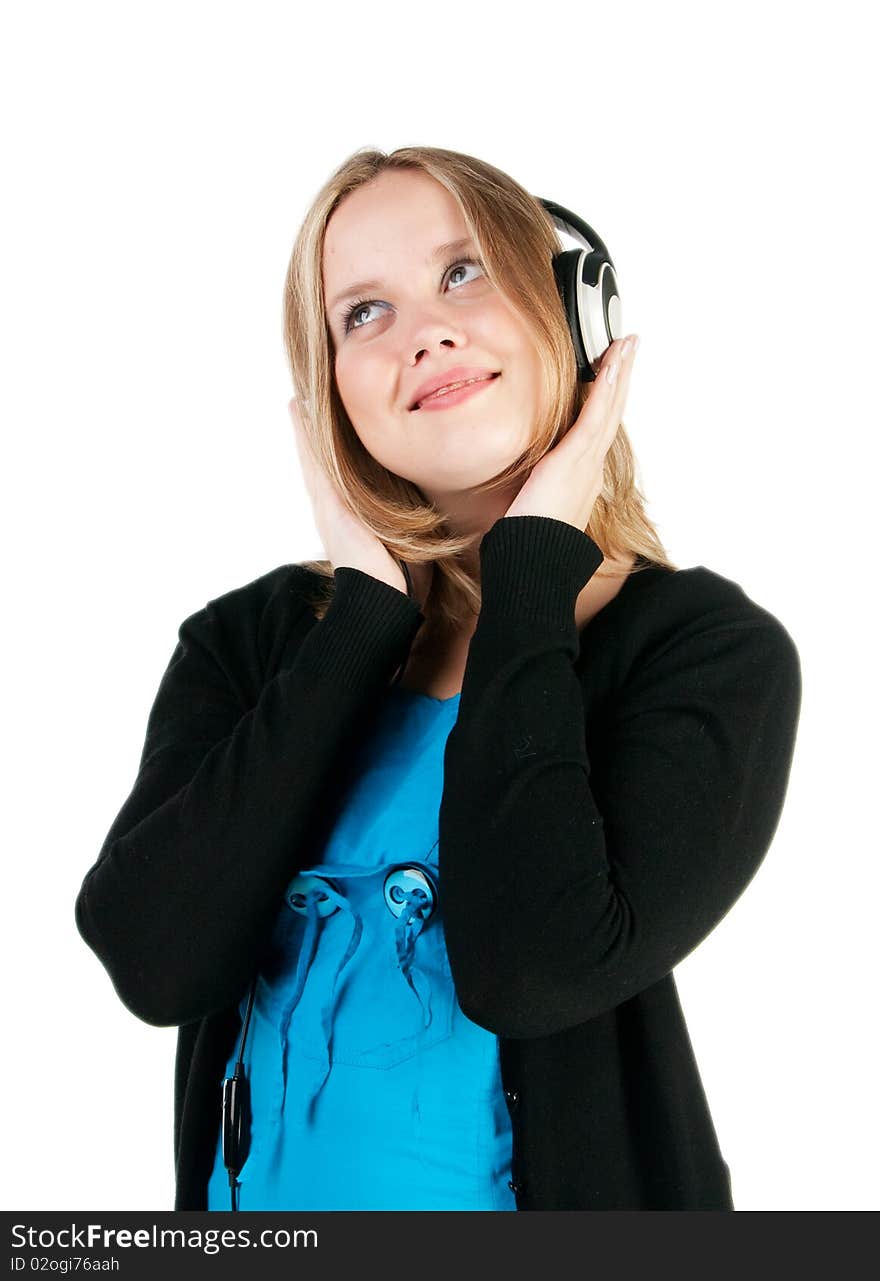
{"x": 611, "y": 363}
{"x": 604, "y": 385}
{"x": 600, "y": 396}
{"x": 622, "y": 365}
{"x": 599, "y": 419}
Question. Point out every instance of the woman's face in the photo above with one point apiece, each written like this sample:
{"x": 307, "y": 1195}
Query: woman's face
{"x": 428, "y": 310}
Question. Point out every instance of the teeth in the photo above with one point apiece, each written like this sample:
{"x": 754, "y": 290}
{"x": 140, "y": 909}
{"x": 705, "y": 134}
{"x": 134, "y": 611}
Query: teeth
{"x": 455, "y": 386}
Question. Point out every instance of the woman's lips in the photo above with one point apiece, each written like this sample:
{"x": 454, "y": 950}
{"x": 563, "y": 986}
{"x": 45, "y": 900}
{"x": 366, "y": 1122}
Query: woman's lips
{"x": 446, "y": 399}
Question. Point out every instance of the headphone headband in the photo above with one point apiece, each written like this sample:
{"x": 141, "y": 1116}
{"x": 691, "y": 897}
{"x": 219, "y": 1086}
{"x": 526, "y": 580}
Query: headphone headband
{"x": 573, "y": 225}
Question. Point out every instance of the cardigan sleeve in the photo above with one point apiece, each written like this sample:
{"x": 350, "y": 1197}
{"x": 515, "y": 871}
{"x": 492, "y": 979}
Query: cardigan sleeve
{"x": 227, "y": 799}
{"x": 567, "y": 890}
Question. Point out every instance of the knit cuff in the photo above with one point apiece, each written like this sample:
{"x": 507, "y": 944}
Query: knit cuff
{"x": 367, "y": 630}
{"x": 533, "y": 567}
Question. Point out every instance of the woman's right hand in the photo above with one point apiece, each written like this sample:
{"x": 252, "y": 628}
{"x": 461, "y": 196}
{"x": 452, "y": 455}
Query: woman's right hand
{"x": 347, "y": 541}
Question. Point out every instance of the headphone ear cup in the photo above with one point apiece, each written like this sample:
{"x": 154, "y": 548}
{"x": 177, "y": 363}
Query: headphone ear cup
{"x": 588, "y": 288}
{"x": 566, "y": 267}
{"x": 598, "y": 307}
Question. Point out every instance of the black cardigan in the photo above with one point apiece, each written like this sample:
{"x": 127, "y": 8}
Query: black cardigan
{"x": 608, "y": 795}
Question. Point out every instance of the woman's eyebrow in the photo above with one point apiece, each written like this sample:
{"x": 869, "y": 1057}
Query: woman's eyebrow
{"x": 451, "y": 247}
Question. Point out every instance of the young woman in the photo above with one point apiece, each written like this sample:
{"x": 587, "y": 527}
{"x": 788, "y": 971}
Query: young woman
{"x": 421, "y": 831}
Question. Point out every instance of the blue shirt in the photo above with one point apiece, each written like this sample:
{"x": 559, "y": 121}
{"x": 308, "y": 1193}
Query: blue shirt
{"x": 370, "y": 1090}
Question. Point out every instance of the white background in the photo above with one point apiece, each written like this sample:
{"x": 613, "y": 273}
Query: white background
{"x": 157, "y": 161}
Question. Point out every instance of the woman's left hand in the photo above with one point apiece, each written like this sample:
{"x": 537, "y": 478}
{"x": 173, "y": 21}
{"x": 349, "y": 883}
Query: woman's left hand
{"x": 566, "y": 482}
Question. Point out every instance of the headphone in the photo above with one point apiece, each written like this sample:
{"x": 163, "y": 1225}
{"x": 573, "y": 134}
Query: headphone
{"x": 587, "y": 284}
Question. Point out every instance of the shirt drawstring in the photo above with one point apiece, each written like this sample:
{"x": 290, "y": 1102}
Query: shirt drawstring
{"x": 408, "y": 926}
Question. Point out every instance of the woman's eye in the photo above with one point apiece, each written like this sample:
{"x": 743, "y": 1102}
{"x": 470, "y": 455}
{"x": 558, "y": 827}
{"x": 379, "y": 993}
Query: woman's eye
{"x": 352, "y": 313}
{"x": 364, "y": 304}
{"x": 467, "y": 262}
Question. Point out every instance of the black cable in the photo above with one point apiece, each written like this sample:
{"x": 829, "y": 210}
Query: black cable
{"x": 236, "y": 1113}
{"x": 244, "y": 1030}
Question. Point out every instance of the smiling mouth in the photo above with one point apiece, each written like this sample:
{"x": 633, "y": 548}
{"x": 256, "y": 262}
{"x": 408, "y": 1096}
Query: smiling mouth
{"x": 445, "y": 391}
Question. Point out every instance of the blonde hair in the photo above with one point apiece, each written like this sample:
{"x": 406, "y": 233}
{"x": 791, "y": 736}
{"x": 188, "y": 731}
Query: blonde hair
{"x": 517, "y": 239}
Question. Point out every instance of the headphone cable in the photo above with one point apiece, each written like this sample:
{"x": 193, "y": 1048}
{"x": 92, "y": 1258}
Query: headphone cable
{"x": 236, "y": 1109}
